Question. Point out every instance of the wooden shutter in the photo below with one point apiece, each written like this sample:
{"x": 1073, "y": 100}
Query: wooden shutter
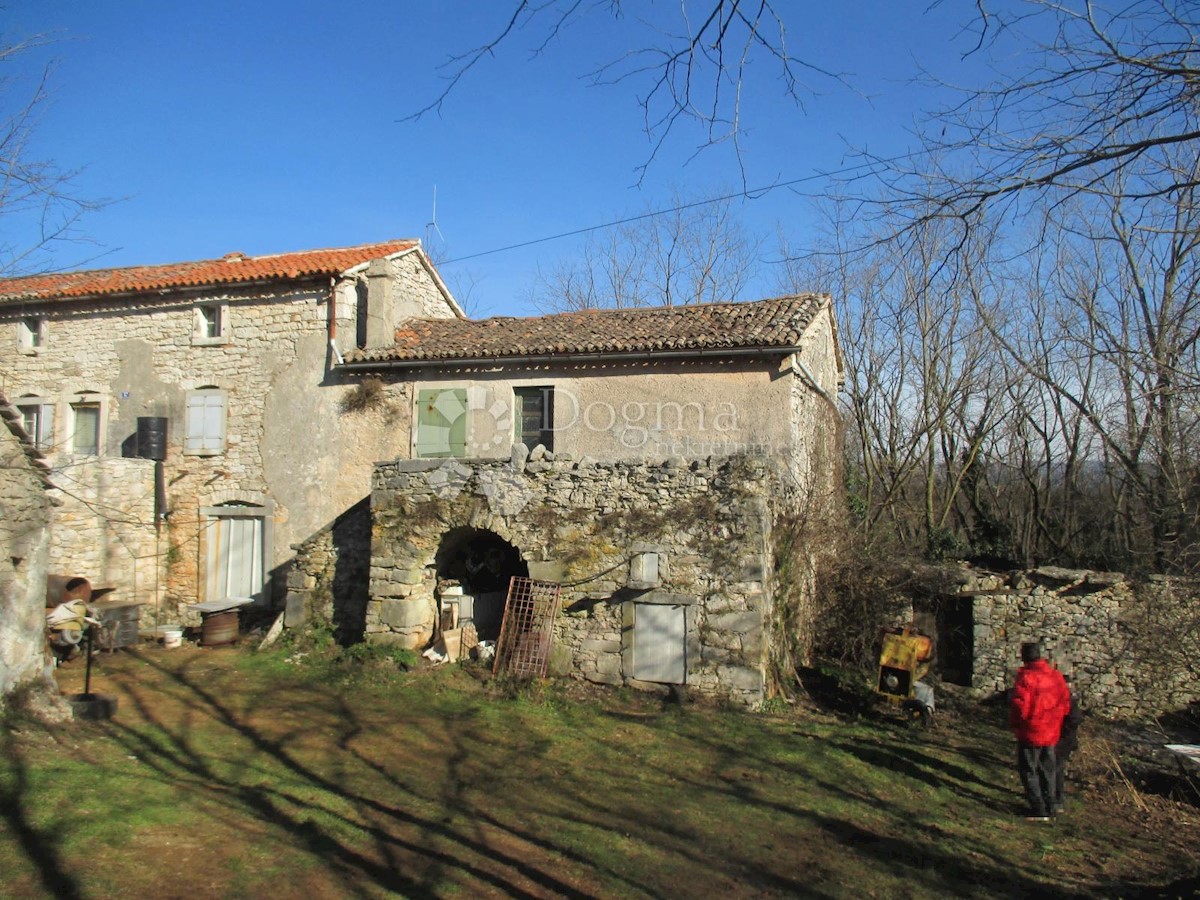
{"x": 441, "y": 423}
{"x": 205, "y": 422}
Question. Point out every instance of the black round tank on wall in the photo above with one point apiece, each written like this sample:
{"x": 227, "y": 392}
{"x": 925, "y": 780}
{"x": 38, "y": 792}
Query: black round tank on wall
{"x": 152, "y": 437}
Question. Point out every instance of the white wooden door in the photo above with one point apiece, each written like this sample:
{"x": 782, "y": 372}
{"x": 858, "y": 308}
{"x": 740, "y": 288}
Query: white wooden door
{"x": 236, "y": 558}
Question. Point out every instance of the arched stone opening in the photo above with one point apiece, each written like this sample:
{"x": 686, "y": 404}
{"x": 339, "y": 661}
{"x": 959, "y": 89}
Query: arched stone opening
{"x": 480, "y": 563}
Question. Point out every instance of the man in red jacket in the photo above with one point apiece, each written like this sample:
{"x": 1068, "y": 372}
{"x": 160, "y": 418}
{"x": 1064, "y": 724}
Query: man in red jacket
{"x": 1040, "y": 701}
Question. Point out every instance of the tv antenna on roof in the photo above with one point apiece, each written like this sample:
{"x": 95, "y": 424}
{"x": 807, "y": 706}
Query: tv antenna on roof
{"x": 431, "y": 228}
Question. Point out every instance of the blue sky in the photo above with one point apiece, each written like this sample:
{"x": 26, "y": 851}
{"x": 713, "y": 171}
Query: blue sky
{"x": 273, "y": 126}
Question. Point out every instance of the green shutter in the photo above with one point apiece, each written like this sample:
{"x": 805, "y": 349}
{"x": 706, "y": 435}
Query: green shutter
{"x": 441, "y": 423}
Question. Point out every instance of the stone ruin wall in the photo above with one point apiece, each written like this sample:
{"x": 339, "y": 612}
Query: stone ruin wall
{"x": 1132, "y": 649}
{"x": 579, "y": 523}
{"x": 25, "y": 542}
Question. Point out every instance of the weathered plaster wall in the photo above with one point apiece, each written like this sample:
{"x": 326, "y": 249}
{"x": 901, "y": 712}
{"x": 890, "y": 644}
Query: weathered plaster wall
{"x": 579, "y": 523}
{"x": 814, "y": 441}
{"x": 651, "y": 410}
{"x": 24, "y": 551}
{"x": 1131, "y": 648}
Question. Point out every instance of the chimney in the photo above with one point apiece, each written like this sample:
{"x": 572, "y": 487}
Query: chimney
{"x": 381, "y": 314}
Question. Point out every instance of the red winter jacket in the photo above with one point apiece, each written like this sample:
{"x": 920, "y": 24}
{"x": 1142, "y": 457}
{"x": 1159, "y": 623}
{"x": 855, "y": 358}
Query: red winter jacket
{"x": 1040, "y": 701}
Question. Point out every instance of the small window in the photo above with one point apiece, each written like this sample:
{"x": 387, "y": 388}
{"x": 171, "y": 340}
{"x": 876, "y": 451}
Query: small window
{"x": 85, "y": 435}
{"x": 533, "y": 416}
{"x": 205, "y": 433}
{"x": 210, "y": 323}
{"x": 32, "y": 332}
{"x": 37, "y": 417}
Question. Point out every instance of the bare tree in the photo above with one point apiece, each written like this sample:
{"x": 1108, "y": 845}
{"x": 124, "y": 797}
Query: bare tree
{"x": 694, "y": 71}
{"x": 38, "y": 200}
{"x": 1121, "y": 300}
{"x": 924, "y": 383}
{"x": 1086, "y": 94}
{"x": 694, "y": 253}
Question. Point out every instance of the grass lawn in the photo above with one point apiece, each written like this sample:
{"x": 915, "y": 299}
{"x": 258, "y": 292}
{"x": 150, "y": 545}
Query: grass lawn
{"x": 230, "y": 773}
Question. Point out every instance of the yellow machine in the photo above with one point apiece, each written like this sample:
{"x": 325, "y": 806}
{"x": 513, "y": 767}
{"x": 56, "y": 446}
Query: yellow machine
{"x": 903, "y": 661}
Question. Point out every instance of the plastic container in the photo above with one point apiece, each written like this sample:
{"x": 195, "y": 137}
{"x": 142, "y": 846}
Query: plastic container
{"x": 171, "y": 637}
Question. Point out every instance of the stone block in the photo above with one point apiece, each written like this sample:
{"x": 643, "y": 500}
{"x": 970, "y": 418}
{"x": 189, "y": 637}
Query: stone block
{"x": 739, "y": 678}
{"x": 561, "y": 661}
{"x": 407, "y": 576}
{"x": 548, "y": 570}
{"x": 609, "y": 664}
{"x": 593, "y": 645}
{"x": 293, "y": 613}
{"x": 735, "y": 622}
{"x": 405, "y": 613}
{"x": 598, "y": 677}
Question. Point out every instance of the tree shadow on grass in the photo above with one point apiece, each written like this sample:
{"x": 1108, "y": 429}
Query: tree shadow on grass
{"x": 840, "y": 693}
{"x": 39, "y": 844}
{"x": 177, "y": 756}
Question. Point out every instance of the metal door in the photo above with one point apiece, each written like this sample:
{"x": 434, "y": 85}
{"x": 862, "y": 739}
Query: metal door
{"x": 660, "y": 643}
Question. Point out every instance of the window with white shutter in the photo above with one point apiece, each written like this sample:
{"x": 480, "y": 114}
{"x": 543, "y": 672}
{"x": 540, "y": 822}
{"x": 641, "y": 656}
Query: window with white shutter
{"x": 86, "y": 416}
{"x": 205, "y": 433}
{"x": 37, "y": 417}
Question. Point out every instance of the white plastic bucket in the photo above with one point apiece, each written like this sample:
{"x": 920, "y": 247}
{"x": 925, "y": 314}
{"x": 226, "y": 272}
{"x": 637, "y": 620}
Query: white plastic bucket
{"x": 172, "y": 637}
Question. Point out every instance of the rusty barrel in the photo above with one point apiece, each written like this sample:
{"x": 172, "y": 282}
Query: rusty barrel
{"x": 219, "y": 628}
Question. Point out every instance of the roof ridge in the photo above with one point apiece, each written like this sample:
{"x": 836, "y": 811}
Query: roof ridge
{"x": 233, "y": 268}
{"x": 648, "y": 310}
{"x": 212, "y": 259}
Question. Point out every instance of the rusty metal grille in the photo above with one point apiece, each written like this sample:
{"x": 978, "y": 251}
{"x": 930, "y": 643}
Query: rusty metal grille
{"x": 527, "y": 629}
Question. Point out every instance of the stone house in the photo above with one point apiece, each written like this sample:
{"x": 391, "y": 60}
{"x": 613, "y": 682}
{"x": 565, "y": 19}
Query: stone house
{"x": 25, "y": 545}
{"x": 652, "y": 463}
{"x": 216, "y": 429}
{"x": 193, "y": 413}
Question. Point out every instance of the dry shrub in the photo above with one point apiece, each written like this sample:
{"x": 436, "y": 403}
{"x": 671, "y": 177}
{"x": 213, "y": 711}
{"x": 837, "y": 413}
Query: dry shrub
{"x": 367, "y": 394}
{"x": 862, "y": 589}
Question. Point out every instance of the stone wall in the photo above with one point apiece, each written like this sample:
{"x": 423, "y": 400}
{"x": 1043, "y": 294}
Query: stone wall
{"x": 582, "y": 524}
{"x": 24, "y": 550}
{"x": 327, "y": 579}
{"x": 1132, "y": 648}
{"x": 104, "y": 528}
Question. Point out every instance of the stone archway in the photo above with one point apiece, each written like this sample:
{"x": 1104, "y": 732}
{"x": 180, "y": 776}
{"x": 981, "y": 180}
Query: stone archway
{"x": 480, "y": 563}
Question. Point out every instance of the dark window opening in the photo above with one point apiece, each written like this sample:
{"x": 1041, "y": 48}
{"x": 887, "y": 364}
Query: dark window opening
{"x": 34, "y": 333}
{"x": 533, "y": 416}
{"x": 360, "y": 315}
{"x": 482, "y": 563}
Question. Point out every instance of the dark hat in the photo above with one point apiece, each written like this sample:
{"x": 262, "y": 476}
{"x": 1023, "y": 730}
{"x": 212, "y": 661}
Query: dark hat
{"x": 1031, "y": 651}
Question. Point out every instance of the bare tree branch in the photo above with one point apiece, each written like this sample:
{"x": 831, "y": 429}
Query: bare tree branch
{"x": 39, "y": 204}
{"x": 695, "y": 73}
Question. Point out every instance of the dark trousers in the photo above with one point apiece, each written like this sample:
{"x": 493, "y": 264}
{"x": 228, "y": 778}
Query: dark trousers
{"x": 1039, "y": 774}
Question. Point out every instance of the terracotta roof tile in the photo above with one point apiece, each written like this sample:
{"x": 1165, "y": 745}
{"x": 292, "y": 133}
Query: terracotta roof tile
{"x": 234, "y": 268}
{"x": 766, "y": 324}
